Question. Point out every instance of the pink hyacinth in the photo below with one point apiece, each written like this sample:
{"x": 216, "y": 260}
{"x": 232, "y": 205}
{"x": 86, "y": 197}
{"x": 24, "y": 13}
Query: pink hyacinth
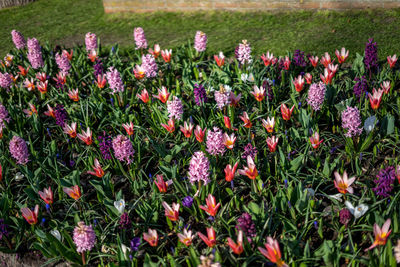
{"x": 3, "y": 117}
{"x": 114, "y": 80}
{"x": 84, "y": 237}
{"x": 18, "y": 39}
{"x": 63, "y": 63}
{"x": 175, "y": 108}
{"x": 351, "y": 121}
{"x": 222, "y": 99}
{"x": 19, "y": 150}
{"x": 90, "y": 41}
{"x": 35, "y": 53}
{"x": 215, "y": 142}
{"x": 199, "y": 168}
{"x": 149, "y": 65}
{"x": 243, "y": 53}
{"x": 123, "y": 149}
{"x": 5, "y": 80}
{"x": 316, "y": 95}
{"x": 200, "y": 41}
{"x": 140, "y": 38}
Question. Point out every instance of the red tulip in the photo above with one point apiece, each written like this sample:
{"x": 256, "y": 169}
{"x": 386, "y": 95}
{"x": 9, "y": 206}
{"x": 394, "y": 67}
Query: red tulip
{"x": 162, "y": 186}
{"x": 251, "y": 170}
{"x": 342, "y": 55}
{"x": 237, "y": 248}
{"x": 220, "y": 59}
{"x": 210, "y": 239}
{"x": 272, "y": 252}
{"x": 286, "y": 113}
{"x": 272, "y": 142}
{"x": 170, "y": 127}
{"x": 74, "y": 192}
{"x": 86, "y": 137}
{"x": 163, "y": 94}
{"x": 199, "y": 133}
{"x": 313, "y": 60}
{"x": 230, "y": 172}
{"x": 29, "y": 215}
{"x": 98, "y": 170}
{"x": 144, "y": 96}
{"x": 47, "y": 195}
{"x": 392, "y": 60}
{"x": 211, "y": 207}
{"x": 128, "y": 128}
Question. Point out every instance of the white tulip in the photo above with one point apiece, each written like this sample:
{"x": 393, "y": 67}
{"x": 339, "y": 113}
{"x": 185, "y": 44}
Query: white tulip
{"x": 120, "y": 205}
{"x": 358, "y": 211}
{"x": 56, "y": 234}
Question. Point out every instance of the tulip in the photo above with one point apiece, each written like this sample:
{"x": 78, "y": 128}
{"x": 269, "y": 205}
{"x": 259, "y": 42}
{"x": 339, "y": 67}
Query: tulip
{"x": 269, "y": 124}
{"x": 375, "y": 98}
{"x": 332, "y": 69}
{"x": 227, "y": 122}
{"x": 47, "y": 195}
{"x": 381, "y": 234}
{"x": 286, "y": 113}
{"x": 234, "y": 100}
{"x": 120, "y": 205}
{"x": 385, "y": 86}
{"x": 199, "y": 133}
{"x": 229, "y": 141}
{"x": 286, "y": 63}
{"x": 327, "y": 77}
{"x": 86, "y": 136}
{"x": 298, "y": 83}
{"x": 326, "y": 59}
{"x": 170, "y": 127}
{"x": 343, "y": 184}
{"x": 74, "y": 192}
{"x": 162, "y": 186}
{"x": 23, "y": 71}
{"x": 258, "y": 93}
{"x": 32, "y": 110}
{"x": 220, "y": 59}
{"x": 139, "y": 72}
{"x": 250, "y": 170}
{"x": 314, "y": 140}
{"x": 171, "y": 213}
{"x": 246, "y": 120}
{"x": 230, "y": 172}
{"x": 392, "y": 60}
{"x": 268, "y": 59}
{"x": 61, "y": 78}
{"x": 41, "y": 76}
{"x": 92, "y": 55}
{"x": 186, "y": 238}
{"x": 211, "y": 207}
{"x": 358, "y": 211}
{"x": 237, "y": 248}
{"x": 70, "y": 130}
{"x": 50, "y": 111}
{"x": 144, "y": 96}
{"x": 342, "y": 55}
{"x": 272, "y": 142}
{"x": 68, "y": 55}
{"x": 187, "y": 129}
{"x": 156, "y": 51}
{"x": 166, "y": 54}
{"x": 74, "y": 95}
{"x": 163, "y": 94}
{"x": 273, "y": 252}
{"x": 42, "y": 86}
{"x": 151, "y": 237}
{"x": 313, "y": 60}
{"x": 210, "y": 239}
{"x": 29, "y": 215}
{"x": 128, "y": 128}
{"x": 29, "y": 84}
{"x": 308, "y": 78}
{"x": 101, "y": 81}
{"x": 98, "y": 170}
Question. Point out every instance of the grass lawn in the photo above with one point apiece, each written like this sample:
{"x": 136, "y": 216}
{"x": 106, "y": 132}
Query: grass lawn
{"x": 65, "y": 22}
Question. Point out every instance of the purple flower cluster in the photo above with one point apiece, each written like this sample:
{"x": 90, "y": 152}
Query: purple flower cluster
{"x": 299, "y": 59}
{"x": 63, "y": 63}
{"x": 243, "y": 53}
{"x": 360, "y": 87}
{"x": 316, "y": 95}
{"x": 344, "y": 216}
{"x": 105, "y": 145}
{"x": 123, "y": 149}
{"x": 18, "y": 39}
{"x": 140, "y": 38}
{"x": 199, "y": 168}
{"x": 222, "y": 99}
{"x": 249, "y": 150}
{"x": 5, "y": 80}
{"x": 149, "y": 65}
{"x": 98, "y": 68}
{"x": 84, "y": 237}
{"x": 175, "y": 108}
{"x": 114, "y": 80}
{"x": 3, "y": 117}
{"x": 215, "y": 142}
{"x": 61, "y": 115}
{"x": 351, "y": 121}
{"x": 246, "y": 224}
{"x": 200, "y": 41}
{"x": 371, "y": 55}
{"x": 90, "y": 41}
{"x": 135, "y": 243}
{"x": 200, "y": 95}
{"x": 19, "y": 150}
{"x": 3, "y": 229}
{"x": 125, "y": 221}
{"x": 187, "y": 201}
{"x": 385, "y": 182}
{"x": 35, "y": 53}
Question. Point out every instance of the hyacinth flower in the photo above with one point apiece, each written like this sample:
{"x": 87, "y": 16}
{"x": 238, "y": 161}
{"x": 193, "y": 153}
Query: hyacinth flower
{"x": 211, "y": 206}
{"x": 30, "y": 216}
{"x": 171, "y": 213}
{"x": 128, "y": 128}
{"x": 286, "y": 63}
{"x": 29, "y": 84}
{"x": 250, "y": 170}
{"x": 144, "y": 96}
{"x": 269, "y": 124}
{"x": 186, "y": 238}
{"x": 47, "y": 195}
{"x": 343, "y": 184}
{"x": 314, "y": 140}
{"x": 234, "y": 100}
{"x": 156, "y": 51}
{"x": 166, "y": 55}
{"x": 375, "y": 98}
{"x": 98, "y": 170}
{"x": 381, "y": 234}
{"x": 258, "y": 92}
{"x": 73, "y": 95}
{"x": 273, "y": 252}
{"x": 230, "y": 171}
{"x": 86, "y": 137}
{"x": 342, "y": 55}
{"x": 237, "y": 247}
{"x": 50, "y": 112}
{"x": 272, "y": 143}
{"x": 268, "y": 59}
{"x": 327, "y": 77}
{"x": 170, "y": 127}
{"x": 298, "y": 83}
{"x": 210, "y": 239}
{"x": 219, "y": 59}
{"x": 74, "y": 191}
{"x": 308, "y": 78}
{"x": 139, "y": 72}
{"x": 92, "y": 55}
{"x": 313, "y": 60}
{"x": 187, "y": 129}
{"x": 101, "y": 81}
{"x": 163, "y": 94}
{"x": 326, "y": 59}
{"x": 42, "y": 86}
{"x": 286, "y": 113}
{"x": 385, "y": 86}
{"x": 397, "y": 173}
{"x": 199, "y": 133}
{"x": 161, "y": 185}
{"x": 229, "y": 141}
{"x": 392, "y": 61}
{"x": 245, "y": 118}
{"x": 22, "y": 71}
{"x": 151, "y": 237}
{"x": 70, "y": 129}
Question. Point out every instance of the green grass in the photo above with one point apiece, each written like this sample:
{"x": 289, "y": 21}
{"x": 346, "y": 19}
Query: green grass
{"x": 65, "y": 22}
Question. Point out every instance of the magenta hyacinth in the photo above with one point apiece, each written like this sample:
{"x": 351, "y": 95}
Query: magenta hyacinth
{"x": 114, "y": 80}
{"x": 35, "y": 53}
{"x": 175, "y": 108}
{"x": 222, "y": 99}
{"x": 316, "y": 95}
{"x": 123, "y": 149}
{"x": 5, "y": 80}
{"x": 351, "y": 121}
{"x": 149, "y": 65}
{"x": 199, "y": 168}
{"x": 84, "y": 237}
{"x": 90, "y": 41}
{"x": 19, "y": 150}
{"x": 140, "y": 38}
{"x": 215, "y": 142}
{"x": 18, "y": 39}
{"x": 3, "y": 117}
{"x": 200, "y": 41}
{"x": 243, "y": 53}
{"x": 63, "y": 63}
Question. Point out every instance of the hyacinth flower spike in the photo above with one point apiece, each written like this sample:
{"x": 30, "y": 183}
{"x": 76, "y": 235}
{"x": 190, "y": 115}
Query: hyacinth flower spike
{"x": 47, "y": 195}
{"x": 273, "y": 252}
{"x": 210, "y": 239}
{"x": 230, "y": 171}
{"x": 128, "y": 128}
{"x": 151, "y": 237}
{"x": 343, "y": 184}
{"x": 86, "y": 137}
{"x": 98, "y": 170}
{"x": 186, "y": 238}
{"x": 171, "y": 213}
{"x": 160, "y": 183}
{"x": 74, "y": 191}
{"x": 237, "y": 247}
{"x": 250, "y": 170}
{"x": 30, "y": 216}
{"x": 211, "y": 206}
{"x": 381, "y": 234}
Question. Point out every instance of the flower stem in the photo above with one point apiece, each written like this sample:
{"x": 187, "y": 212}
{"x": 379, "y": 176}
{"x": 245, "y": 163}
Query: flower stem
{"x": 83, "y": 258}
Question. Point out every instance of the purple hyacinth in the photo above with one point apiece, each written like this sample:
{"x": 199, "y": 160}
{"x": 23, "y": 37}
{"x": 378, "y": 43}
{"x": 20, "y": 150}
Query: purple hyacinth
{"x": 98, "y": 68}
{"x": 123, "y": 149}
{"x": 249, "y": 150}
{"x": 3, "y": 117}
{"x": 351, "y": 121}
{"x": 125, "y": 221}
{"x": 199, "y": 168}
{"x": 371, "y": 55}
{"x": 200, "y": 95}
{"x": 149, "y": 65}
{"x": 35, "y": 53}
{"x": 19, "y": 150}
{"x": 135, "y": 243}
{"x": 298, "y": 58}
{"x": 90, "y": 41}
{"x": 61, "y": 115}
{"x": 316, "y": 95}
{"x": 222, "y": 98}
{"x": 114, "y": 80}
{"x": 246, "y": 224}
{"x": 385, "y": 182}
{"x": 18, "y": 39}
{"x": 63, "y": 63}
{"x": 215, "y": 142}
{"x": 360, "y": 87}
{"x": 5, "y": 80}
{"x": 187, "y": 201}
{"x": 105, "y": 145}
{"x": 140, "y": 38}
{"x": 200, "y": 41}
{"x": 344, "y": 216}
{"x": 175, "y": 108}
{"x": 243, "y": 53}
